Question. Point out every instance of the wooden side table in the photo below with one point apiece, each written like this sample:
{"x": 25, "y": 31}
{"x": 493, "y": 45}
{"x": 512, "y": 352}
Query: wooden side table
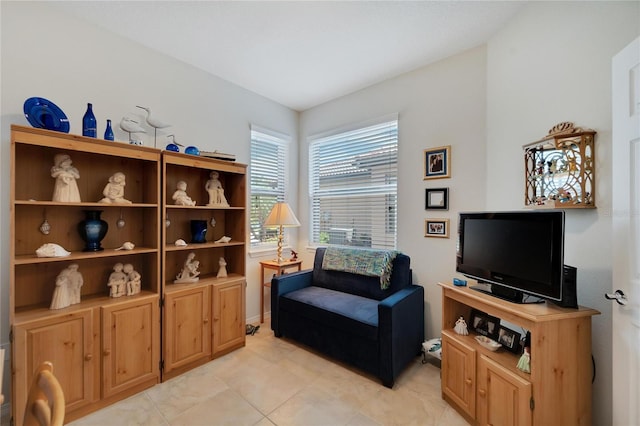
{"x": 280, "y": 269}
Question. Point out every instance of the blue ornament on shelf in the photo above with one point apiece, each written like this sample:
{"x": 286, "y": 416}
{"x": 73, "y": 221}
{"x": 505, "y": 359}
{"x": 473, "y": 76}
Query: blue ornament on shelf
{"x": 108, "y": 132}
{"x": 192, "y": 150}
{"x": 198, "y": 231}
{"x": 89, "y": 124}
{"x": 92, "y": 230}
{"x": 173, "y": 147}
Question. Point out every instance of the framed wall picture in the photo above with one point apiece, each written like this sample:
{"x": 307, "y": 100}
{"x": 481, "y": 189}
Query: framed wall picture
{"x": 509, "y": 339}
{"x": 437, "y": 162}
{"x": 438, "y": 228}
{"x": 484, "y": 324}
{"x": 436, "y": 199}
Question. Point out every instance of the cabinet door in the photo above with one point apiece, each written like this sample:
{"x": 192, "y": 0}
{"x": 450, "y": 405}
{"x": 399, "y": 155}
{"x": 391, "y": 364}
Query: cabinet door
{"x": 458, "y": 374}
{"x": 187, "y": 327}
{"x": 130, "y": 345}
{"x": 228, "y": 316}
{"x": 67, "y": 342}
{"x": 503, "y": 397}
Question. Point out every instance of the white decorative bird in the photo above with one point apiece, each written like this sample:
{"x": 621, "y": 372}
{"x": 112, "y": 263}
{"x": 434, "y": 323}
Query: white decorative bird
{"x": 130, "y": 126}
{"x": 153, "y": 122}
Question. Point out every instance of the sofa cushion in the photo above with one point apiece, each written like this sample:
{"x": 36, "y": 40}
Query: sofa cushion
{"x": 344, "y": 311}
{"x": 362, "y": 285}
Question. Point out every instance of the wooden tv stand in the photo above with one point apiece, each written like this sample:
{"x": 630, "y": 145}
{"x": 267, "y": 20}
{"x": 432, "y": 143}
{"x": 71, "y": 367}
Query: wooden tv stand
{"x": 487, "y": 388}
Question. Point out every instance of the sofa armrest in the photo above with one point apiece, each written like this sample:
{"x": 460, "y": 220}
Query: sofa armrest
{"x": 401, "y": 330}
{"x": 284, "y": 284}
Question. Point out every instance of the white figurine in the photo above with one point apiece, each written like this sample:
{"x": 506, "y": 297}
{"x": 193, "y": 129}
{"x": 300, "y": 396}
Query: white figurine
{"x": 66, "y": 188}
{"x": 223, "y": 239}
{"x": 127, "y": 245}
{"x": 222, "y": 272}
{"x": 61, "y": 295}
{"x": 461, "y": 327}
{"x": 189, "y": 273}
{"x": 180, "y": 243}
{"x": 114, "y": 190}
{"x": 52, "y": 250}
{"x": 133, "y": 280}
{"x": 215, "y": 190}
{"x": 75, "y": 283}
{"x": 180, "y": 195}
{"x": 117, "y": 281}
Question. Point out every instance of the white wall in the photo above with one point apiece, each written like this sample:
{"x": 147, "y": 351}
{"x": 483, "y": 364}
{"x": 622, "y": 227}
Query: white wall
{"x": 443, "y": 104}
{"x": 48, "y": 54}
{"x": 551, "y": 64}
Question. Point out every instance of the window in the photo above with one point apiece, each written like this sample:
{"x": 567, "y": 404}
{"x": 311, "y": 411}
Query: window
{"x": 353, "y": 187}
{"x": 268, "y": 170}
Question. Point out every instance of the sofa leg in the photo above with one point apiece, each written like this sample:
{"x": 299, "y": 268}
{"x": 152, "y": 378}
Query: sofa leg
{"x": 388, "y": 383}
{"x": 277, "y": 333}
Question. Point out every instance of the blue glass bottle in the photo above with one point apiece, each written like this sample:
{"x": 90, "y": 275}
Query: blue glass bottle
{"x": 89, "y": 125}
{"x": 108, "y": 132}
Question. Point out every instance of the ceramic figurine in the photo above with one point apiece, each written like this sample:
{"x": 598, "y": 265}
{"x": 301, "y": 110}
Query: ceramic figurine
{"x": 153, "y": 122}
{"x": 61, "y": 295}
{"x": 126, "y": 246}
{"x": 66, "y": 188}
{"x": 117, "y": 281}
{"x": 75, "y": 283}
{"x": 131, "y": 126}
{"x": 133, "y": 280}
{"x": 52, "y": 250}
{"x": 222, "y": 272}
{"x": 461, "y": 327}
{"x": 180, "y": 196}
{"x": 180, "y": 243}
{"x": 114, "y": 190}
{"x": 189, "y": 273}
{"x": 215, "y": 190}
{"x": 223, "y": 239}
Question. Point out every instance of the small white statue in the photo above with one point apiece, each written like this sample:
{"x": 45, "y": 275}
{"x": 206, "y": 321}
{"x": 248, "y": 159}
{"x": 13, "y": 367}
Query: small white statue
{"x": 189, "y": 273}
{"x": 117, "y": 281}
{"x": 75, "y": 283}
{"x": 215, "y": 190}
{"x": 114, "y": 190}
{"x": 222, "y": 272}
{"x": 180, "y": 243}
{"x": 134, "y": 280}
{"x": 52, "y": 250}
{"x": 461, "y": 327}
{"x": 180, "y": 195}
{"x": 66, "y": 188}
{"x": 62, "y": 293}
{"x": 223, "y": 239}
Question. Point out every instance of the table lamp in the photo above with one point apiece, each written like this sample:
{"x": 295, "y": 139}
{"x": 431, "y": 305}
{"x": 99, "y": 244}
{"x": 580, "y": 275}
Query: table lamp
{"x": 281, "y": 215}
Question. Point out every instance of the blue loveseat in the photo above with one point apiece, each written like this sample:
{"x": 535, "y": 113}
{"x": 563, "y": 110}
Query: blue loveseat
{"x": 349, "y": 317}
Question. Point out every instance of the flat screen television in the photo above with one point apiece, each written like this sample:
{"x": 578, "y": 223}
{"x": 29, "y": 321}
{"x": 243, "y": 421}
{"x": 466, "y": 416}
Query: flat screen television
{"x": 519, "y": 254}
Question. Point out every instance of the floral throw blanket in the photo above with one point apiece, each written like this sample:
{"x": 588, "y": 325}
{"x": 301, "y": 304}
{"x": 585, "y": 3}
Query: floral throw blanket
{"x": 372, "y": 263}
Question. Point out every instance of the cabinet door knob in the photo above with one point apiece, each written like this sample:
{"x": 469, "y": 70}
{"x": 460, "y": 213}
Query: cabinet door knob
{"x": 206, "y": 320}
{"x": 482, "y": 392}
{"x": 468, "y": 382}
{"x": 88, "y": 357}
{"x": 106, "y": 352}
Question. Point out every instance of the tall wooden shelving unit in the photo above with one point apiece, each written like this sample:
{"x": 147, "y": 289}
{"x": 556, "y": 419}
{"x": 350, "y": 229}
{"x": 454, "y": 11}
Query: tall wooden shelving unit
{"x": 205, "y": 319}
{"x": 103, "y": 349}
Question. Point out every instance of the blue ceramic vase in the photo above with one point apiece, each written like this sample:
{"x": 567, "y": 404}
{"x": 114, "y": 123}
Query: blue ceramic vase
{"x": 198, "y": 231}
{"x": 92, "y": 230}
{"x": 89, "y": 124}
{"x": 108, "y": 132}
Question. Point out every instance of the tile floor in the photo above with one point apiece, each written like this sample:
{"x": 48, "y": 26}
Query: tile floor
{"x": 274, "y": 381}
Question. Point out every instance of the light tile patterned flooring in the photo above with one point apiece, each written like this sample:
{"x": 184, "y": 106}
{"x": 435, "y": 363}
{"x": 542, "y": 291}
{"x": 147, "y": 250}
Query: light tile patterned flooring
{"x": 274, "y": 381}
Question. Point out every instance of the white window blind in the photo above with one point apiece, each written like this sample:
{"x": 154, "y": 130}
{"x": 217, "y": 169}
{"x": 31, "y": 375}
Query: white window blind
{"x": 353, "y": 187}
{"x": 268, "y": 171}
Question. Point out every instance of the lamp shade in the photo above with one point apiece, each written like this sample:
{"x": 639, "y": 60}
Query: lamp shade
{"x": 281, "y": 215}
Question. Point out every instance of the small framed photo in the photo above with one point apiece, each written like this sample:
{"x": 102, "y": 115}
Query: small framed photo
{"x": 484, "y": 324}
{"x": 438, "y": 228}
{"x": 437, "y": 162}
{"x": 509, "y": 339}
{"x": 436, "y": 199}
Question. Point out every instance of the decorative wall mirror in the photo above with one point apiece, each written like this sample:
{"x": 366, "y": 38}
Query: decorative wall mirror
{"x": 560, "y": 169}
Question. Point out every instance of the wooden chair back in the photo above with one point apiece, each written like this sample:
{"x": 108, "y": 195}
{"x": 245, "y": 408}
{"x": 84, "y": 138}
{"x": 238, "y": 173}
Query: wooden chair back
{"x": 45, "y": 404}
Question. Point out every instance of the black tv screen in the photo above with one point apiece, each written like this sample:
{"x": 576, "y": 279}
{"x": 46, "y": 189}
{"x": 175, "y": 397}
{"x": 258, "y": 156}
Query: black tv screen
{"x": 523, "y": 251}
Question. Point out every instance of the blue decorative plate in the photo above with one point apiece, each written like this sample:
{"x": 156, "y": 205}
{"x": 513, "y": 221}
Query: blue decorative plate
{"x": 44, "y": 114}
